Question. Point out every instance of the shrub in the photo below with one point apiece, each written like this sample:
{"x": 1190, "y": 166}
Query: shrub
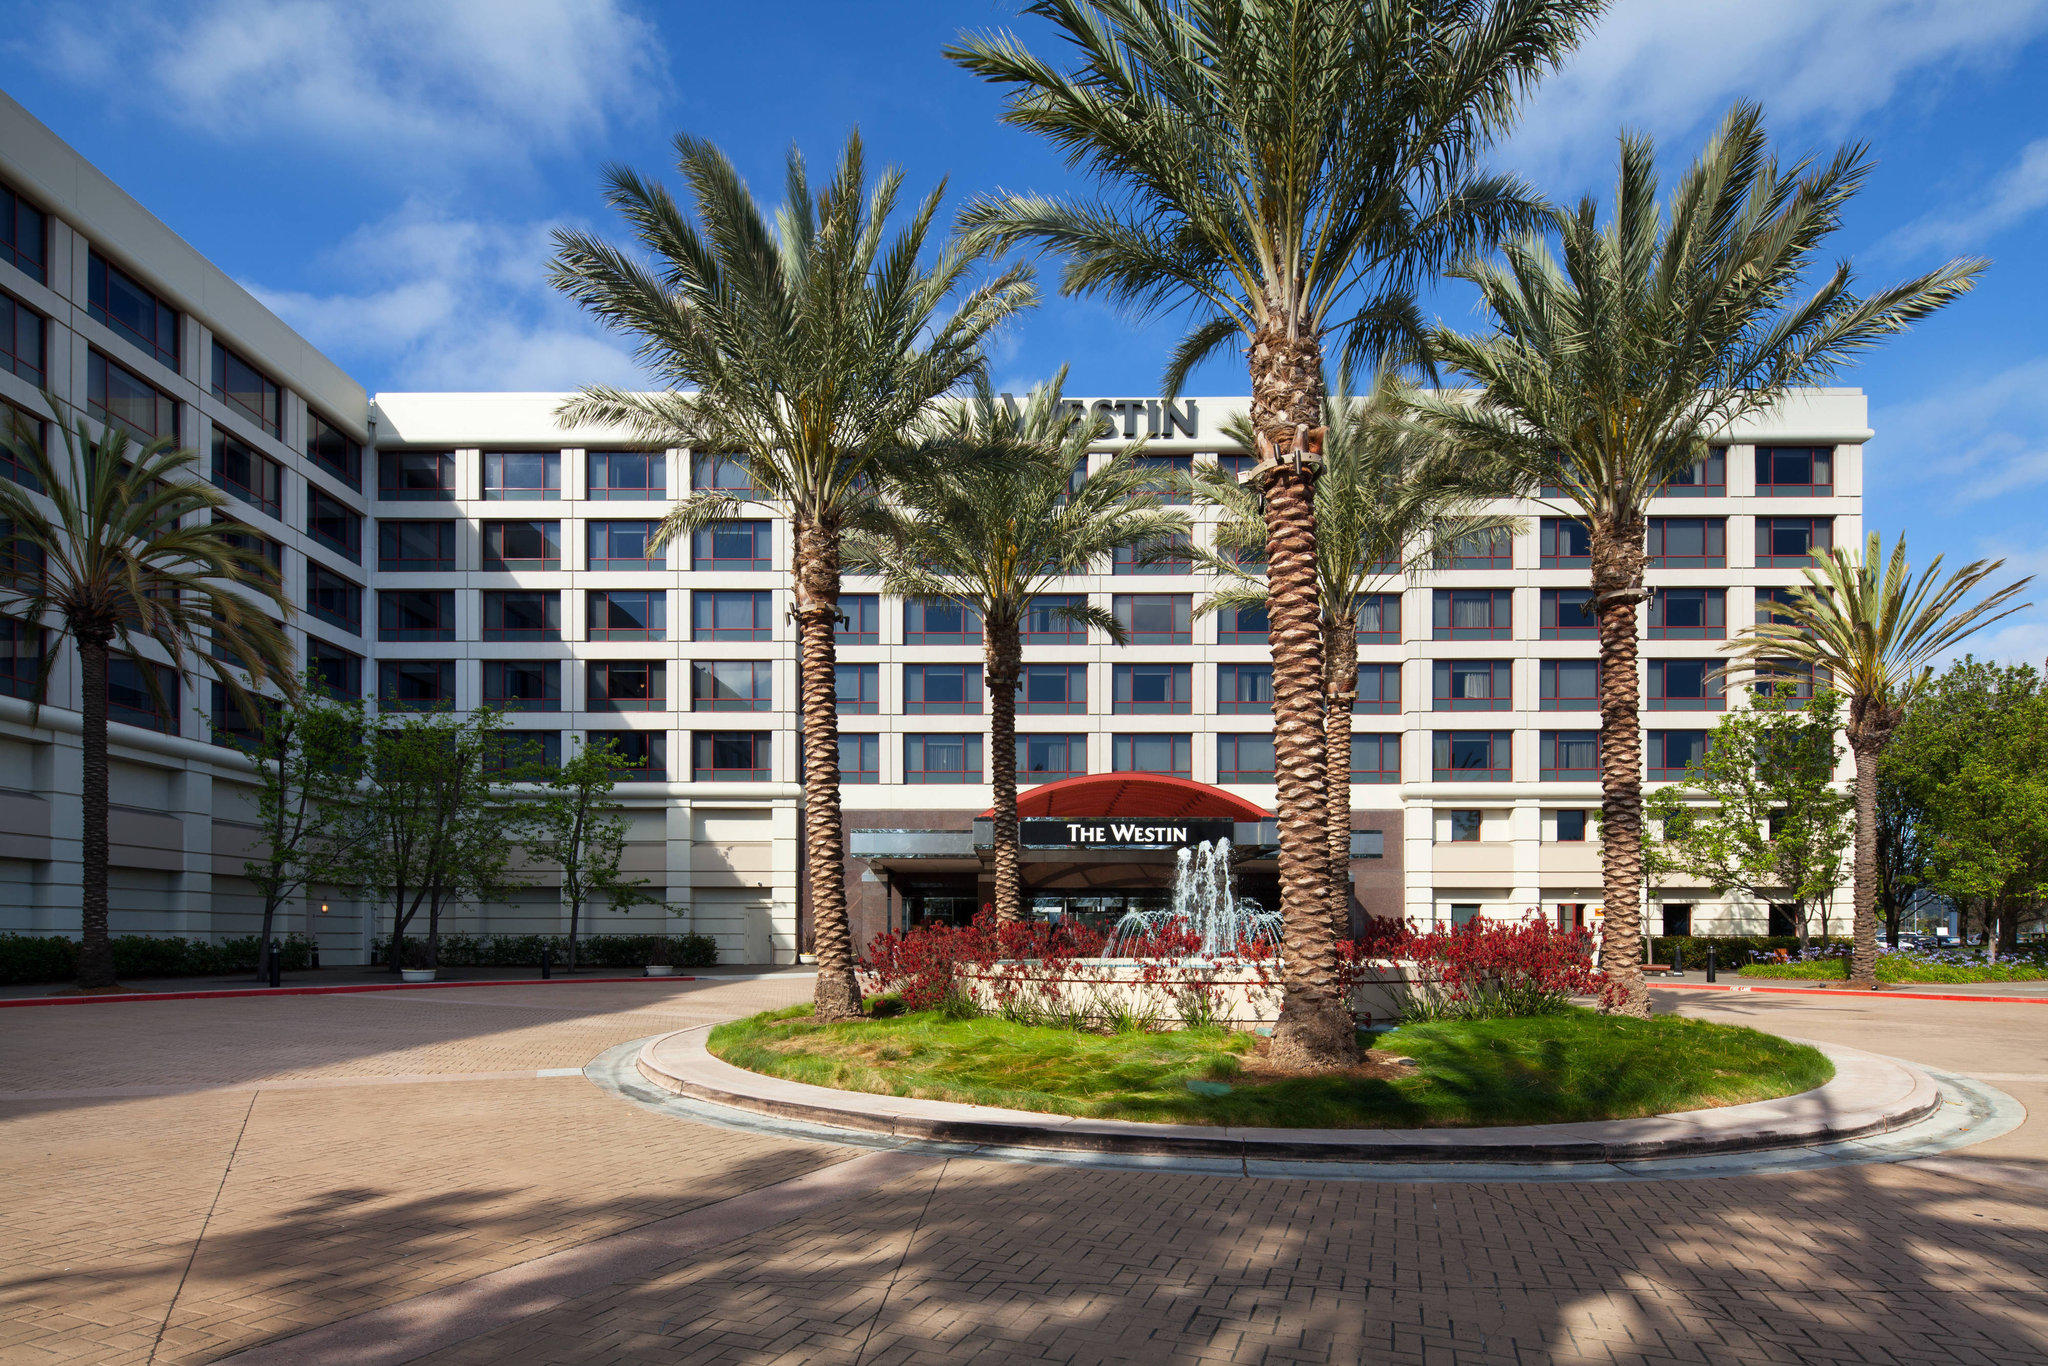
{"x": 1731, "y": 951}
{"x": 1491, "y": 969}
{"x": 592, "y": 950}
{"x": 54, "y": 958}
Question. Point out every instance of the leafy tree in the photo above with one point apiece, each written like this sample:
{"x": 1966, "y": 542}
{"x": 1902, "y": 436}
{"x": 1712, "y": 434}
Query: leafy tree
{"x": 1873, "y": 628}
{"x": 1760, "y": 813}
{"x": 810, "y": 347}
{"x": 114, "y": 543}
{"x": 1287, "y": 171}
{"x": 572, "y": 824}
{"x": 1615, "y": 361}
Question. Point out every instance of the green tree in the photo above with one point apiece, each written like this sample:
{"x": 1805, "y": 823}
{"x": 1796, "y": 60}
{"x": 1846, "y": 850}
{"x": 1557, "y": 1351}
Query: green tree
{"x": 1760, "y": 812}
{"x": 572, "y": 823}
{"x": 1615, "y": 361}
{"x": 988, "y": 507}
{"x": 1287, "y": 171}
{"x": 1873, "y": 628}
{"x": 114, "y": 543}
{"x": 810, "y": 347}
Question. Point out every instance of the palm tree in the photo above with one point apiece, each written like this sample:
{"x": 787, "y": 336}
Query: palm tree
{"x": 809, "y": 346}
{"x": 1390, "y": 499}
{"x": 989, "y": 507}
{"x": 116, "y": 545}
{"x": 1287, "y": 170}
{"x": 1873, "y": 630}
{"x": 1614, "y": 363}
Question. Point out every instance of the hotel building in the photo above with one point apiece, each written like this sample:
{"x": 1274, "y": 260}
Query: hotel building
{"x": 466, "y": 549}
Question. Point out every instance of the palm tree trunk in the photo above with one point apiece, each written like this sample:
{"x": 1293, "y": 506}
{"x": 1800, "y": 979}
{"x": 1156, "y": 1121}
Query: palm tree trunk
{"x": 1315, "y": 1028}
{"x": 96, "y": 947}
{"x": 1866, "y": 750}
{"x": 1004, "y": 654}
{"x": 1618, "y": 562}
{"x": 1340, "y": 644}
{"x": 817, "y": 613}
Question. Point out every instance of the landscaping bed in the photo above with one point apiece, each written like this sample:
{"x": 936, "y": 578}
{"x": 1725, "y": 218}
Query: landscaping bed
{"x": 1941, "y": 965}
{"x": 1563, "y": 1067}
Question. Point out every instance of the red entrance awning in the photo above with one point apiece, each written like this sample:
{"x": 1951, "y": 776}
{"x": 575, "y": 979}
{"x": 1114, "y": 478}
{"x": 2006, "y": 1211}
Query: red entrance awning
{"x": 1135, "y": 796}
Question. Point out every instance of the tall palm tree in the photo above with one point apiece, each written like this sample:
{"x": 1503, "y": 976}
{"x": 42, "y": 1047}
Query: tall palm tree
{"x": 1287, "y": 170}
{"x": 989, "y": 507}
{"x": 117, "y": 545}
{"x": 809, "y": 342}
{"x": 1391, "y": 498}
{"x": 1875, "y": 629}
{"x": 1613, "y": 363}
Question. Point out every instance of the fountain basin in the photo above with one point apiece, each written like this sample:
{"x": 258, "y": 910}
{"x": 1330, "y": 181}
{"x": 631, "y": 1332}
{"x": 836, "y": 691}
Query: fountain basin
{"x": 1235, "y": 993}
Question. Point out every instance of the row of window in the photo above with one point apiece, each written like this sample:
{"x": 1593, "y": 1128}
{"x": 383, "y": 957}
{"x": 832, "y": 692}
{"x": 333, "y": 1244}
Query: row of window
{"x": 1681, "y": 543}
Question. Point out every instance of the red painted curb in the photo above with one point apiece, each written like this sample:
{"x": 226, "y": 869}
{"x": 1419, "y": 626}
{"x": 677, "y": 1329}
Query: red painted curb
{"x": 349, "y": 990}
{"x": 1844, "y": 991}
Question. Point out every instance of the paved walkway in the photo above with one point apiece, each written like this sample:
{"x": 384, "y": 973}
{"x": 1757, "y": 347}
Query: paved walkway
{"x": 425, "y": 1176}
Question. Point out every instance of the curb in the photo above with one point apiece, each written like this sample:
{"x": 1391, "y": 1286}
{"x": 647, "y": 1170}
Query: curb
{"x": 353, "y": 988}
{"x": 1844, "y": 991}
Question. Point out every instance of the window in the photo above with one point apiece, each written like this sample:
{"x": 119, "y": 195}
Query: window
{"x": 1685, "y": 685}
{"x": 18, "y": 422}
{"x": 510, "y": 546}
{"x": 942, "y": 758}
{"x": 732, "y": 545}
{"x": 1243, "y": 626}
{"x": 1795, "y": 471}
{"x": 1244, "y": 758}
{"x": 1672, "y": 750}
{"x": 860, "y": 758}
{"x": 334, "y": 450}
{"x": 1768, "y": 600}
{"x": 1168, "y": 471}
{"x": 523, "y": 756}
{"x": 249, "y": 540}
{"x": 726, "y": 614}
{"x": 628, "y": 614}
{"x": 1048, "y": 689}
{"x": 1568, "y": 614}
{"x": 1688, "y": 542}
{"x": 1046, "y": 624}
{"x": 1569, "y": 756}
{"x": 334, "y": 599}
{"x": 21, "y": 659}
{"x": 116, "y": 394}
{"x": 523, "y": 684}
{"x": 249, "y": 389}
{"x": 725, "y": 473}
{"x": 1173, "y": 557}
{"x": 515, "y": 476}
{"x": 1375, "y": 758}
{"x": 242, "y": 470}
{"x": 339, "y": 671}
{"x": 415, "y": 547}
{"x": 1466, "y": 826}
{"x": 1473, "y": 614}
{"x": 1481, "y": 551}
{"x": 415, "y": 476}
{"x": 732, "y": 756}
{"x": 21, "y": 341}
{"x": 331, "y": 522}
{"x": 122, "y": 302}
{"x": 940, "y": 621}
{"x": 415, "y": 614}
{"x": 1379, "y": 619}
{"x": 1044, "y": 758}
{"x": 233, "y": 726}
{"x": 24, "y": 236}
{"x": 642, "y": 755}
{"x": 522, "y": 614}
{"x": 415, "y": 684}
{"x": 624, "y": 545}
{"x": 1571, "y": 828}
{"x": 860, "y": 620}
{"x": 1473, "y": 685}
{"x": 630, "y": 476}
{"x": 1155, "y": 688}
{"x": 1569, "y": 685}
{"x": 954, "y": 688}
{"x": 1707, "y": 477}
{"x": 1774, "y": 674}
{"x": 1463, "y": 913}
{"x": 1677, "y": 919}
{"x": 1791, "y": 542}
{"x": 1470, "y": 756}
{"x": 732, "y": 685}
{"x": 627, "y": 685}
{"x": 1155, "y": 618}
{"x": 1244, "y": 687}
{"x": 132, "y": 699}
{"x": 1169, "y": 755}
{"x": 1379, "y": 690}
{"x": 1567, "y": 544}
{"x": 857, "y": 689}
{"x": 1689, "y": 614}
{"x": 1783, "y": 921}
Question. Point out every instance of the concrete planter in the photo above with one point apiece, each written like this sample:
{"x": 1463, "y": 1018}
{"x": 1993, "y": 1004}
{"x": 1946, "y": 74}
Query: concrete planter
{"x": 416, "y": 974}
{"x": 1237, "y": 995}
{"x": 659, "y": 970}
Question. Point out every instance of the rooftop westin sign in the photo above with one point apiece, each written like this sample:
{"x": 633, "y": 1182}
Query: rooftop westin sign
{"x": 1041, "y": 832}
{"x": 1137, "y": 416}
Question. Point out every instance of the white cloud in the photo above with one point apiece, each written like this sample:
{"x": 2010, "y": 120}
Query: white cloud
{"x": 2018, "y": 193}
{"x": 452, "y": 79}
{"x": 1971, "y": 442}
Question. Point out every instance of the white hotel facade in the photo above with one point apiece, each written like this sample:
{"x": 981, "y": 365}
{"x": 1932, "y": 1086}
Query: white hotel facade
{"x": 464, "y": 548}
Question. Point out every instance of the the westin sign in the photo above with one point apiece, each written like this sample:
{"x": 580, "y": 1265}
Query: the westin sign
{"x": 1048, "y": 833}
{"x": 1135, "y": 416}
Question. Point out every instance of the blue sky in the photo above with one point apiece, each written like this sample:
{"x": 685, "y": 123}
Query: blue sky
{"x": 386, "y": 174}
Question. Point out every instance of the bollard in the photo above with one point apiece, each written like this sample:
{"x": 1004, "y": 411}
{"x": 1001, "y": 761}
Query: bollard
{"x": 1710, "y": 962}
{"x": 276, "y": 963}
{"x": 547, "y": 962}
{"x": 1677, "y": 961}
{"x": 313, "y": 956}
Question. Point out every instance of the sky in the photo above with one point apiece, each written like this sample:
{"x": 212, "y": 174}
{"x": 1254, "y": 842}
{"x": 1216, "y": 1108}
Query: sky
{"x": 387, "y": 174}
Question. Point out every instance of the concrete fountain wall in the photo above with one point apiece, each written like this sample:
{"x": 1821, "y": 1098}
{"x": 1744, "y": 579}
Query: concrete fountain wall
{"x": 1240, "y": 995}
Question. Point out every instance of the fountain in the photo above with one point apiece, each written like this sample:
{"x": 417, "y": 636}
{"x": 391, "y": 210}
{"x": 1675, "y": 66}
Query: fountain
{"x": 1205, "y": 900}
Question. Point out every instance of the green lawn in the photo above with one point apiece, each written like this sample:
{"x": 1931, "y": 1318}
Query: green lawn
{"x": 1574, "y": 1066}
{"x": 1900, "y": 967}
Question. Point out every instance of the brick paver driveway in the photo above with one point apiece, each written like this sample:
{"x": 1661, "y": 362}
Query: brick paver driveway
{"x": 189, "y": 1180}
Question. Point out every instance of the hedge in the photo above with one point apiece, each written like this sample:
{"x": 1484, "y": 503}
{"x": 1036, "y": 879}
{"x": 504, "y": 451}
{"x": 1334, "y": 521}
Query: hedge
{"x": 1907, "y": 968}
{"x": 592, "y": 950}
{"x": 1731, "y": 951}
{"x": 54, "y": 958}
